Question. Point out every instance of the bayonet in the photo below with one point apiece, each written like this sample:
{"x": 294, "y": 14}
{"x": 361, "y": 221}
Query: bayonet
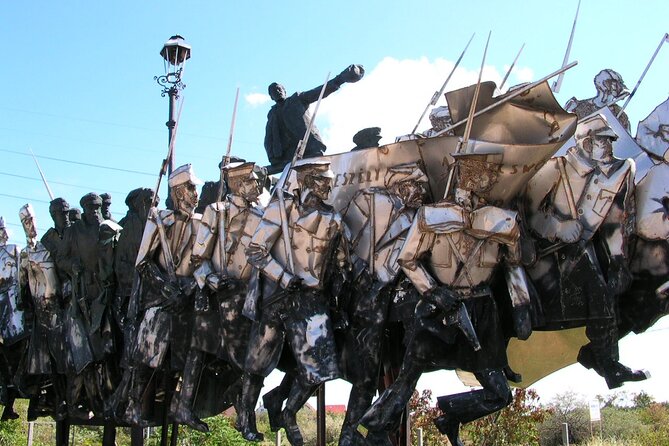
{"x": 48, "y": 189}
{"x": 506, "y": 76}
{"x": 665, "y": 38}
{"x": 221, "y": 221}
{"x": 437, "y": 94}
{"x": 558, "y": 82}
{"x": 470, "y": 118}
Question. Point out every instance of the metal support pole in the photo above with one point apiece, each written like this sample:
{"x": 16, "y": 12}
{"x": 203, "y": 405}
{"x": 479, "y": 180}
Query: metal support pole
{"x": 420, "y": 436}
{"x": 109, "y": 435}
{"x": 31, "y": 427}
{"x": 136, "y": 436}
{"x": 62, "y": 433}
{"x": 320, "y": 415}
{"x": 171, "y": 123}
{"x": 175, "y": 434}
{"x": 277, "y": 440}
{"x": 565, "y": 434}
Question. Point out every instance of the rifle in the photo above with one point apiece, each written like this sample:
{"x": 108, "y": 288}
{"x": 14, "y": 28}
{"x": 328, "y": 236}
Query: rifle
{"x": 513, "y": 64}
{"x": 558, "y": 82}
{"x": 224, "y": 162}
{"x": 665, "y": 38}
{"x": 299, "y": 152}
{"x": 470, "y": 119}
{"x": 164, "y": 243}
{"x": 437, "y": 94}
{"x": 41, "y": 174}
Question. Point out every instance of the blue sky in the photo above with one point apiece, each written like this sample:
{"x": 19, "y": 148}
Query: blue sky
{"x": 78, "y": 78}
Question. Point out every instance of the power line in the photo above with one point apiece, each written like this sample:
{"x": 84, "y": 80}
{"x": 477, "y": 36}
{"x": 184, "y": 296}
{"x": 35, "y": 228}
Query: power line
{"x": 25, "y": 198}
{"x": 98, "y": 166}
{"x": 58, "y": 182}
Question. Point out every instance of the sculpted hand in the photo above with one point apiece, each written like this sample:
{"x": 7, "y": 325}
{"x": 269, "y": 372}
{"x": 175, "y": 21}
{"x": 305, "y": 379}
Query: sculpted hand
{"x": 569, "y": 231}
{"x": 352, "y": 73}
{"x": 295, "y": 284}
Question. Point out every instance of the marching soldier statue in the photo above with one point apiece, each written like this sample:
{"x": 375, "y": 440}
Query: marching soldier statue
{"x": 87, "y": 256}
{"x": 296, "y": 259}
{"x": 46, "y": 350}
{"x": 167, "y": 290}
{"x": 223, "y": 276}
{"x": 379, "y": 220}
{"x": 581, "y": 207}
{"x": 12, "y": 322}
{"x": 450, "y": 255}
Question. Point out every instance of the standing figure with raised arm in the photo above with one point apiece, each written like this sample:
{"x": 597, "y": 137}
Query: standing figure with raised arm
{"x": 581, "y": 206}
{"x": 450, "y": 255}
{"x": 379, "y": 219}
{"x": 12, "y": 322}
{"x": 296, "y": 261}
{"x": 289, "y": 117}
{"x": 46, "y": 351}
{"x": 165, "y": 305}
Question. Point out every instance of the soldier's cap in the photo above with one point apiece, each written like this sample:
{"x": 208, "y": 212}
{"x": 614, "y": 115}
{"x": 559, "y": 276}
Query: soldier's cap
{"x": 233, "y": 159}
{"x": 26, "y": 211}
{"x": 90, "y": 198}
{"x": 478, "y": 172}
{"x": 137, "y": 193}
{"x": 364, "y": 135}
{"x": 594, "y": 126}
{"x": 315, "y": 167}
{"x": 106, "y": 198}
{"x": 404, "y": 172}
{"x": 239, "y": 170}
{"x": 183, "y": 174}
{"x": 59, "y": 205}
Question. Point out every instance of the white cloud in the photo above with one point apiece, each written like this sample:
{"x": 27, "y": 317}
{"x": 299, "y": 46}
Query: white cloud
{"x": 391, "y": 96}
{"x": 255, "y": 99}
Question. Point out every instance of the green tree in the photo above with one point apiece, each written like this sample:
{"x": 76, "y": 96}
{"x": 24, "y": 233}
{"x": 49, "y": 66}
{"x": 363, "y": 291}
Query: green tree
{"x": 567, "y": 408}
{"x": 423, "y": 412}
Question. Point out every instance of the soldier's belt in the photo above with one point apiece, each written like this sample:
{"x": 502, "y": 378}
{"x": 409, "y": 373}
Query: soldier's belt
{"x": 468, "y": 293}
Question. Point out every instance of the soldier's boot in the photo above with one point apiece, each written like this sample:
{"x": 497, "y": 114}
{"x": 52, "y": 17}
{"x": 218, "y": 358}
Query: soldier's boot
{"x": 246, "y": 416}
{"x": 133, "y": 412}
{"x": 183, "y": 413}
{"x": 386, "y": 411}
{"x": 358, "y": 402}
{"x": 299, "y": 394}
{"x": 615, "y": 373}
{"x": 273, "y": 402}
{"x": 75, "y": 410}
{"x": 464, "y": 407}
{"x": 9, "y": 413}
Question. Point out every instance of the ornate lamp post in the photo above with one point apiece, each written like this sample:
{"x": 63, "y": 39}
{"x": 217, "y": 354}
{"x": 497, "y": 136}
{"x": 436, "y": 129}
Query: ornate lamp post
{"x": 175, "y": 52}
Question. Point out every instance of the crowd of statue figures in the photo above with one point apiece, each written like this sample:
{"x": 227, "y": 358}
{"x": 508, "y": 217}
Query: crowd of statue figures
{"x": 420, "y": 255}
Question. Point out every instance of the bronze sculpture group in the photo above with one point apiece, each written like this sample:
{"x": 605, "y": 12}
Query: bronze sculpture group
{"x": 352, "y": 267}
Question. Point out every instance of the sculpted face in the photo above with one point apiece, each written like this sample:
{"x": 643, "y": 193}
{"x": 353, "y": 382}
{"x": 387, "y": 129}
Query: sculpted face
{"x": 598, "y": 148}
{"x": 319, "y": 186}
{"x": 28, "y": 223}
{"x": 249, "y": 189}
{"x": 411, "y": 193}
{"x": 186, "y": 197}
{"x": 61, "y": 219}
{"x": 92, "y": 213}
{"x": 277, "y": 92}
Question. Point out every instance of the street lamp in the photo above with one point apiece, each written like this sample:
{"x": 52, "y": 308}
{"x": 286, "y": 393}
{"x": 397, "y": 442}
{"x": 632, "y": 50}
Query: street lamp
{"x": 175, "y": 52}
